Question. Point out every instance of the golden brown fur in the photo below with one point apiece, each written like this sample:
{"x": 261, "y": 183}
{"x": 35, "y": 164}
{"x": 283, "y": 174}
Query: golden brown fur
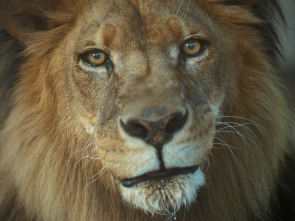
{"x": 62, "y": 152}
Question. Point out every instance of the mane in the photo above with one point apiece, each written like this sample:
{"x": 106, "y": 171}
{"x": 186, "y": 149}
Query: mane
{"x": 270, "y": 12}
{"x": 9, "y": 63}
{"x": 272, "y": 15}
{"x": 13, "y": 53}
{"x": 259, "y": 113}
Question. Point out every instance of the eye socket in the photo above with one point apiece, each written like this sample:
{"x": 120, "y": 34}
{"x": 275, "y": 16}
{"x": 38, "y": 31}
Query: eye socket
{"x": 193, "y": 47}
{"x": 95, "y": 57}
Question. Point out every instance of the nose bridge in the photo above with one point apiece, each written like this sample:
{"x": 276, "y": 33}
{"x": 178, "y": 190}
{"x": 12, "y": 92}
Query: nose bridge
{"x": 163, "y": 78}
{"x": 152, "y": 84}
{"x": 158, "y": 90}
{"x": 149, "y": 70}
{"x": 151, "y": 62}
{"x": 153, "y": 102}
{"x": 160, "y": 74}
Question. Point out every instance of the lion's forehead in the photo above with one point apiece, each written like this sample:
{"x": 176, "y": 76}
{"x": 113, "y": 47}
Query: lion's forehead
{"x": 138, "y": 25}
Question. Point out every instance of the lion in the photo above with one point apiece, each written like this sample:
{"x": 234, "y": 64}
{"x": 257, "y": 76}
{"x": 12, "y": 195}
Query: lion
{"x": 141, "y": 110}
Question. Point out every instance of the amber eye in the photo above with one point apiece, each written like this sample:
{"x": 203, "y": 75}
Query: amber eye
{"x": 95, "y": 57}
{"x": 193, "y": 47}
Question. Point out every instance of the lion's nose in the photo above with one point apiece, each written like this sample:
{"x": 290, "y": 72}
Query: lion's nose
{"x": 156, "y": 133}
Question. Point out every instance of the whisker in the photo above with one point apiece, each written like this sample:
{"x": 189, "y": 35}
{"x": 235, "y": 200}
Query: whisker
{"x": 207, "y": 162}
{"x": 239, "y": 134}
{"x": 187, "y": 10}
{"x": 82, "y": 158}
{"x": 171, "y": 214}
{"x": 93, "y": 158}
{"x": 85, "y": 148}
{"x": 93, "y": 163}
{"x": 96, "y": 176}
{"x": 239, "y": 125}
{"x": 179, "y": 7}
{"x": 243, "y": 118}
{"x": 244, "y": 137}
{"x": 230, "y": 149}
{"x": 236, "y": 124}
{"x": 225, "y": 144}
{"x": 99, "y": 172}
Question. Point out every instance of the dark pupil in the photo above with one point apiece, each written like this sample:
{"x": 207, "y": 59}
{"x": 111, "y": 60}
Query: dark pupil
{"x": 191, "y": 45}
{"x": 97, "y": 55}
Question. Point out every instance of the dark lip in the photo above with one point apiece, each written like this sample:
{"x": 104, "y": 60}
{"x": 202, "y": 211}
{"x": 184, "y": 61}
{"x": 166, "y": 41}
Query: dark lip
{"x": 157, "y": 175}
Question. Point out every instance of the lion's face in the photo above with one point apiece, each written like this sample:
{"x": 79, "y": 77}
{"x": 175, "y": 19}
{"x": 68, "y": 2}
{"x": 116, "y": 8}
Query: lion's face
{"x": 148, "y": 86}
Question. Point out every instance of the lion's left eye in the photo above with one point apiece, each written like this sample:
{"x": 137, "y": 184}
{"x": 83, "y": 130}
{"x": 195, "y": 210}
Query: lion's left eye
{"x": 95, "y": 57}
{"x": 193, "y": 47}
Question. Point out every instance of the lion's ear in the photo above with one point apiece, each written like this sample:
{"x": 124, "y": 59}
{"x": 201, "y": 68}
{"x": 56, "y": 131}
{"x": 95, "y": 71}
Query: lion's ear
{"x": 21, "y": 17}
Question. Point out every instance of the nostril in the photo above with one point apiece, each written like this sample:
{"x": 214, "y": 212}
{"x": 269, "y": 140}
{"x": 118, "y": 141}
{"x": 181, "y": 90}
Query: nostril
{"x": 135, "y": 128}
{"x": 176, "y": 122}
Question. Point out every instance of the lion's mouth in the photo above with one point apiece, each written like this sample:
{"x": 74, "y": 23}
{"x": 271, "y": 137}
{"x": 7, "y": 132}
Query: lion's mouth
{"x": 158, "y": 175}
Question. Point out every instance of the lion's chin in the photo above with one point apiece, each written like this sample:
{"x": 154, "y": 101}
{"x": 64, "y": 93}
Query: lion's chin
{"x": 166, "y": 195}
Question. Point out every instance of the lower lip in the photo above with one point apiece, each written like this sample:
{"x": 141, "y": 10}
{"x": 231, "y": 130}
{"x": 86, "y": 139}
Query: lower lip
{"x": 158, "y": 175}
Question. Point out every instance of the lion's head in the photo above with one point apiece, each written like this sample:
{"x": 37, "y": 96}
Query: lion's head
{"x": 146, "y": 100}
{"x": 148, "y": 88}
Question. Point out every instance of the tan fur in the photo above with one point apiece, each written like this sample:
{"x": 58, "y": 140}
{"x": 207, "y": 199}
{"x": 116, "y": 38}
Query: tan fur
{"x": 63, "y": 151}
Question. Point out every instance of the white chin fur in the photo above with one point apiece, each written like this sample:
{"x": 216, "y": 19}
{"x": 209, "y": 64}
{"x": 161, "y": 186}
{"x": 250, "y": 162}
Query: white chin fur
{"x": 165, "y": 196}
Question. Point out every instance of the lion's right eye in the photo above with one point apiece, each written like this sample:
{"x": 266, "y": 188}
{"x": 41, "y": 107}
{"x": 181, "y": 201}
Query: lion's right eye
{"x": 95, "y": 57}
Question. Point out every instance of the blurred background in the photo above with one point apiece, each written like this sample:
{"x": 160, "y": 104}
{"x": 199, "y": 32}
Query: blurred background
{"x": 288, "y": 40}
{"x": 288, "y": 45}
